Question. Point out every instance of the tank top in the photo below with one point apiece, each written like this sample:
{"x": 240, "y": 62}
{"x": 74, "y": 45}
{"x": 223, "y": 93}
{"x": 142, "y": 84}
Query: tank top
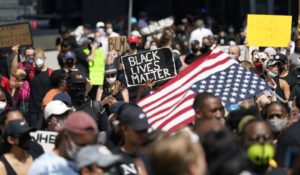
{"x": 278, "y": 90}
{"x": 8, "y": 167}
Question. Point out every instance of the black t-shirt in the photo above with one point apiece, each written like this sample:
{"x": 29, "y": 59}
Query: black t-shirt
{"x": 287, "y": 141}
{"x": 81, "y": 62}
{"x": 4, "y": 66}
{"x": 190, "y": 58}
{"x": 127, "y": 167}
{"x": 39, "y": 86}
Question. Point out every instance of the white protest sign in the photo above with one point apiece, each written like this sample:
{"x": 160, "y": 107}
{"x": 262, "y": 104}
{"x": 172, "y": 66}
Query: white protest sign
{"x": 45, "y": 138}
{"x": 156, "y": 26}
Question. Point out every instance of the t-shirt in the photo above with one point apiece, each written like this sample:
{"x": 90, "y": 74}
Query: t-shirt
{"x": 82, "y": 63}
{"x": 39, "y": 86}
{"x": 128, "y": 166}
{"x": 289, "y": 139}
{"x": 52, "y": 164}
{"x": 5, "y": 83}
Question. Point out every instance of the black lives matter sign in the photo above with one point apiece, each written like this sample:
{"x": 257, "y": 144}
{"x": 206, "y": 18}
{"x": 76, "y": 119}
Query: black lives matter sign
{"x": 155, "y": 64}
{"x": 11, "y": 34}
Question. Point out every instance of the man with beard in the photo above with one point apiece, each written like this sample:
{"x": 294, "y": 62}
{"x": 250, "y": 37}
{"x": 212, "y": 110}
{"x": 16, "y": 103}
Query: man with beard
{"x": 76, "y": 88}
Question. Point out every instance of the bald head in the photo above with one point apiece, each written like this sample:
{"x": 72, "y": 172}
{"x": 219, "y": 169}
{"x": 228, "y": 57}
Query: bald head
{"x": 234, "y": 51}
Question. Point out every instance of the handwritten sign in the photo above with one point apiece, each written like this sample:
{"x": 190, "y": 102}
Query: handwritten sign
{"x": 45, "y": 138}
{"x": 10, "y": 34}
{"x": 157, "y": 26}
{"x": 97, "y": 67}
{"x": 269, "y": 30}
{"x": 155, "y": 64}
{"x": 117, "y": 43}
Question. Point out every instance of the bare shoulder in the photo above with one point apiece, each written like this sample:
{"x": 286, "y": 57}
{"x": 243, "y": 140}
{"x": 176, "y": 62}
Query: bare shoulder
{"x": 2, "y": 169}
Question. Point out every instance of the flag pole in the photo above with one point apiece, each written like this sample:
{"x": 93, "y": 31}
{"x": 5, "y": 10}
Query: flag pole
{"x": 130, "y": 15}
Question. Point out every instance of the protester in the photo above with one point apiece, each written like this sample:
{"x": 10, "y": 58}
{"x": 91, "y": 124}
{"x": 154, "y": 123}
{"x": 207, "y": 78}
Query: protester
{"x": 200, "y": 32}
{"x": 234, "y": 52}
{"x": 96, "y": 159}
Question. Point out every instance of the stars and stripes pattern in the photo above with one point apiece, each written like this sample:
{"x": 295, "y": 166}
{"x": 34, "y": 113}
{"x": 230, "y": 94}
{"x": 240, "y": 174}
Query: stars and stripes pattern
{"x": 171, "y": 106}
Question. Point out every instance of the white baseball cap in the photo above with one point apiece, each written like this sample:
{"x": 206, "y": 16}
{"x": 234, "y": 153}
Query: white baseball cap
{"x": 55, "y": 107}
{"x": 100, "y": 24}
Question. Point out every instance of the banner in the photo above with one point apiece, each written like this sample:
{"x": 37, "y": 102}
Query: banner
{"x": 45, "y": 138}
{"x": 11, "y": 34}
{"x": 155, "y": 64}
{"x": 157, "y": 26}
{"x": 118, "y": 44}
{"x": 269, "y": 30}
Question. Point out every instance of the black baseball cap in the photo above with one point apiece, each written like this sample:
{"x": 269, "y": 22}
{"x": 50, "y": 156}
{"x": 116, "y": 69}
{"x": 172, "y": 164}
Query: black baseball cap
{"x": 69, "y": 55}
{"x": 133, "y": 115}
{"x": 281, "y": 57}
{"x": 76, "y": 77}
{"x": 17, "y": 127}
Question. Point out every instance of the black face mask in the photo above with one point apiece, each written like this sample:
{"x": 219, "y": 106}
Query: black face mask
{"x": 25, "y": 141}
{"x": 77, "y": 93}
{"x": 133, "y": 45}
{"x": 204, "y": 49}
{"x": 195, "y": 49}
{"x": 70, "y": 63}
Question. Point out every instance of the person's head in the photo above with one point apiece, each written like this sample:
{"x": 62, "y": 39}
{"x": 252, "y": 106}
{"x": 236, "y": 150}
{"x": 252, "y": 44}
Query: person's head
{"x": 256, "y": 131}
{"x": 64, "y": 97}
{"x": 234, "y": 52}
{"x": 224, "y": 154}
{"x": 207, "y": 105}
{"x": 277, "y": 115}
{"x": 58, "y": 79}
{"x": 165, "y": 40}
{"x": 100, "y": 27}
{"x": 207, "y": 125}
{"x": 110, "y": 73}
{"x": 3, "y": 100}
{"x": 199, "y": 23}
{"x": 69, "y": 60}
{"x": 55, "y": 115}
{"x": 195, "y": 46}
{"x": 96, "y": 160}
{"x": 283, "y": 62}
{"x": 9, "y": 115}
{"x": 177, "y": 154}
{"x": 270, "y": 51}
{"x": 39, "y": 58}
{"x": 273, "y": 68}
{"x": 133, "y": 41}
{"x": 133, "y": 124}
{"x": 76, "y": 87}
{"x": 81, "y": 130}
{"x": 29, "y": 55}
{"x": 109, "y": 28}
{"x": 16, "y": 135}
{"x": 87, "y": 29}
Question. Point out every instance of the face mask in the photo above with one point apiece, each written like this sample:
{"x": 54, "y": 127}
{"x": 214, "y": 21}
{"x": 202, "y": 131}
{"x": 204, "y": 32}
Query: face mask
{"x": 259, "y": 66}
{"x": 195, "y": 49}
{"x": 109, "y": 31}
{"x": 70, "y": 63}
{"x": 204, "y": 49}
{"x": 272, "y": 74}
{"x": 111, "y": 80}
{"x": 153, "y": 47}
{"x": 29, "y": 60}
{"x": 2, "y": 106}
{"x": 25, "y": 142}
{"x": 133, "y": 45}
{"x": 101, "y": 30}
{"x": 233, "y": 56}
{"x": 260, "y": 154}
{"x": 73, "y": 149}
{"x": 39, "y": 62}
{"x": 77, "y": 94}
{"x": 278, "y": 124}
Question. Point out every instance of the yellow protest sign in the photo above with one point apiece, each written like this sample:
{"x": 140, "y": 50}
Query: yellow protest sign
{"x": 97, "y": 67}
{"x": 269, "y": 30}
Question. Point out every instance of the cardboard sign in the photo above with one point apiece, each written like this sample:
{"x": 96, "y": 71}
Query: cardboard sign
{"x": 97, "y": 67}
{"x": 118, "y": 44}
{"x": 155, "y": 64}
{"x": 11, "y": 34}
{"x": 269, "y": 30}
{"x": 157, "y": 26}
{"x": 45, "y": 138}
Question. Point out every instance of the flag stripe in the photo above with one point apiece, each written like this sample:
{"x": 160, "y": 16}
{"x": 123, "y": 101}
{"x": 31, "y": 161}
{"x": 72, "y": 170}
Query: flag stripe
{"x": 185, "y": 83}
{"x": 183, "y": 120}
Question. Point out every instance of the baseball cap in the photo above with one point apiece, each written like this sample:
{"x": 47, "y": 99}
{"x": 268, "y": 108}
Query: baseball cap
{"x": 17, "y": 127}
{"x": 55, "y": 107}
{"x": 76, "y": 77}
{"x": 96, "y": 154}
{"x": 64, "y": 97}
{"x": 134, "y": 116}
{"x": 280, "y": 57}
{"x": 133, "y": 39}
{"x": 80, "y": 122}
{"x": 271, "y": 51}
{"x": 69, "y": 55}
{"x": 110, "y": 69}
{"x": 100, "y": 24}
{"x": 272, "y": 62}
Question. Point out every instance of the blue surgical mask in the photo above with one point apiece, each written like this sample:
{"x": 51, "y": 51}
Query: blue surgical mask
{"x": 272, "y": 74}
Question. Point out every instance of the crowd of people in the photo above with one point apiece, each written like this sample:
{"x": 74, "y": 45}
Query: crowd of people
{"x": 101, "y": 129}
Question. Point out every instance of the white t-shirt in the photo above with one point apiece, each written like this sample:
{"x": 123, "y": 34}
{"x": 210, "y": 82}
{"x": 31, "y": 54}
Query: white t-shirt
{"x": 51, "y": 164}
{"x": 198, "y": 34}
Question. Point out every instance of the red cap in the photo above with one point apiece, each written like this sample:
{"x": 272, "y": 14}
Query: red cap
{"x": 80, "y": 122}
{"x": 133, "y": 39}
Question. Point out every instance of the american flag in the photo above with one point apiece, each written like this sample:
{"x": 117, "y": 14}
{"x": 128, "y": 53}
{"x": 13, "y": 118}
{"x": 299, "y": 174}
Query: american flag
{"x": 170, "y": 107}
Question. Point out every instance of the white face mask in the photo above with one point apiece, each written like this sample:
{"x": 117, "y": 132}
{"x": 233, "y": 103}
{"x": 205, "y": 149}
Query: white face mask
{"x": 39, "y": 62}
{"x": 111, "y": 80}
{"x": 153, "y": 47}
{"x": 2, "y": 105}
{"x": 101, "y": 30}
{"x": 278, "y": 124}
{"x": 109, "y": 31}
